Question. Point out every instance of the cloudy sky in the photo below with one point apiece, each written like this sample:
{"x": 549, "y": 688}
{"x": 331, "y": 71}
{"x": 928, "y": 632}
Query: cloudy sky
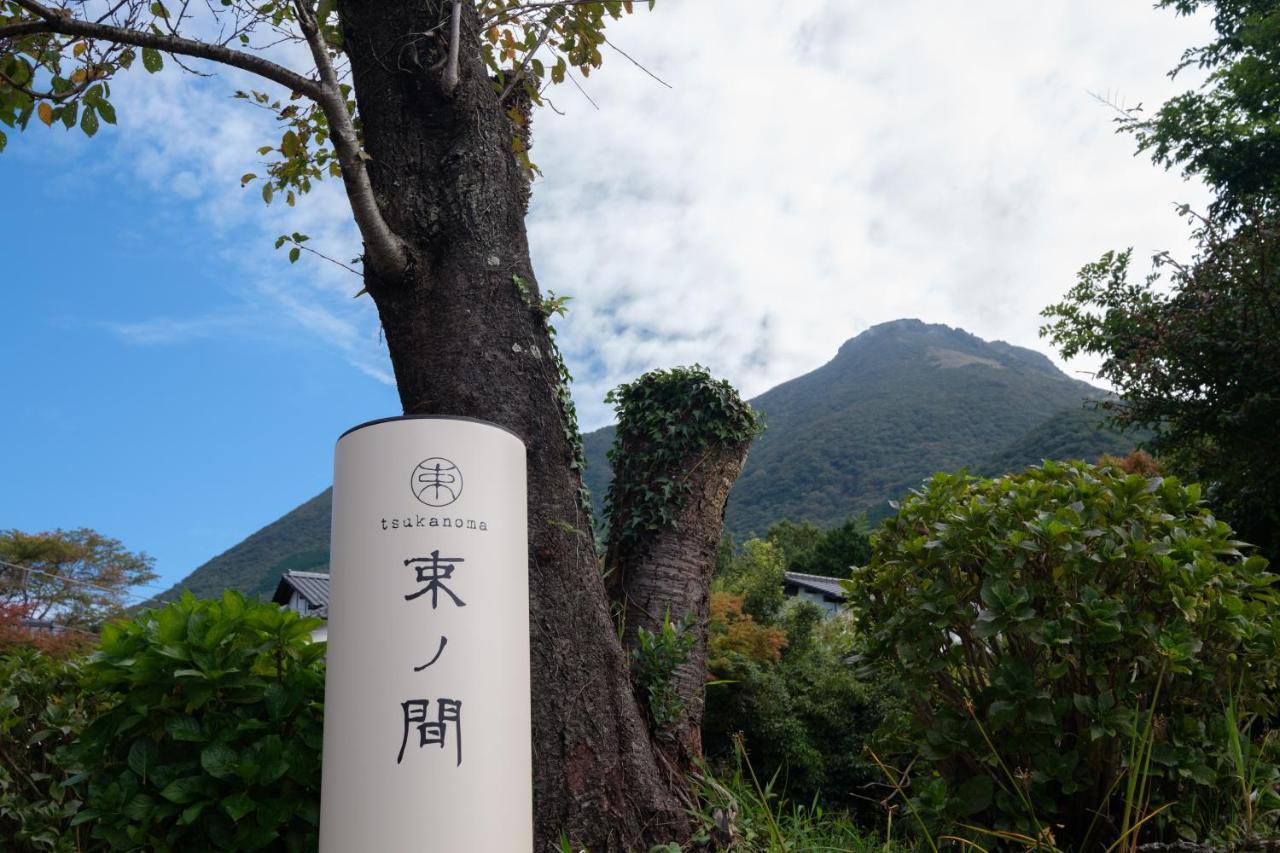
{"x": 814, "y": 168}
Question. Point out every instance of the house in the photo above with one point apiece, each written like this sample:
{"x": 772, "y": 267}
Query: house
{"x": 307, "y": 594}
{"x": 47, "y": 626}
{"x": 817, "y": 589}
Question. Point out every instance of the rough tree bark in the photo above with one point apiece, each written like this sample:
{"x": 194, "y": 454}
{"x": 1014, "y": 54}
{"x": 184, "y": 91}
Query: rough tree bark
{"x": 467, "y": 337}
{"x": 667, "y": 574}
{"x": 439, "y": 199}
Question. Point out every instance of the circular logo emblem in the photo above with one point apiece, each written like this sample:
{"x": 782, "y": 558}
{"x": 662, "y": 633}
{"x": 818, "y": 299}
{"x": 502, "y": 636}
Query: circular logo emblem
{"x": 436, "y": 481}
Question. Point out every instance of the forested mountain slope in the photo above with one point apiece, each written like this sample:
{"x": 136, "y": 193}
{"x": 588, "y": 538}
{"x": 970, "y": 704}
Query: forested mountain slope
{"x": 898, "y": 402}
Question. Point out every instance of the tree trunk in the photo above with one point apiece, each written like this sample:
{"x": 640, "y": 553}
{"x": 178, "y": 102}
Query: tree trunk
{"x": 467, "y": 336}
{"x": 667, "y": 575}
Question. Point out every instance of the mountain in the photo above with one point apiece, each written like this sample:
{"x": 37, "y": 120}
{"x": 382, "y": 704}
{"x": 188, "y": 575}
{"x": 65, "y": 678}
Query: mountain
{"x": 297, "y": 541}
{"x": 898, "y": 402}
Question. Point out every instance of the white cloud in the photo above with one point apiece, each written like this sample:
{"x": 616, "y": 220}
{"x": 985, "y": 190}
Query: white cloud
{"x": 818, "y": 167}
{"x": 163, "y": 331}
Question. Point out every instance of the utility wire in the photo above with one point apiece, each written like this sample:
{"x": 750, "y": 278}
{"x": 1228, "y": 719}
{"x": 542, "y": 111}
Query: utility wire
{"x": 76, "y": 581}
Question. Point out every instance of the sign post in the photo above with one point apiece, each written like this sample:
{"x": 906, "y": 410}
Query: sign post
{"x": 427, "y": 717}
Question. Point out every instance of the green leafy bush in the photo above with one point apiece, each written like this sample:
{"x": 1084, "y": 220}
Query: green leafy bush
{"x": 42, "y": 710}
{"x": 804, "y": 720}
{"x": 756, "y": 574}
{"x": 654, "y": 661}
{"x": 1069, "y": 637}
{"x": 738, "y": 809}
{"x": 212, "y": 735}
{"x": 811, "y": 550}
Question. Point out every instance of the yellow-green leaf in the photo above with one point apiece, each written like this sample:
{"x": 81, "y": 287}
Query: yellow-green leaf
{"x": 45, "y": 112}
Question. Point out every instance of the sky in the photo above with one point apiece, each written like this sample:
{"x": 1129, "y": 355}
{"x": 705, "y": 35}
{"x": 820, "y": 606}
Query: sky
{"x": 804, "y": 171}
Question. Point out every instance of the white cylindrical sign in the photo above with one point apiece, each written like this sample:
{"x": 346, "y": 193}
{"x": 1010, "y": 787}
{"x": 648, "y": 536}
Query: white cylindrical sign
{"x": 427, "y": 720}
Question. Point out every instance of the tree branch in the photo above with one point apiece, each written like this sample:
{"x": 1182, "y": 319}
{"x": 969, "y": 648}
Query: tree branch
{"x": 26, "y": 28}
{"x": 52, "y": 22}
{"x": 524, "y": 64}
{"x": 45, "y": 96}
{"x": 384, "y": 249}
{"x": 450, "y": 81}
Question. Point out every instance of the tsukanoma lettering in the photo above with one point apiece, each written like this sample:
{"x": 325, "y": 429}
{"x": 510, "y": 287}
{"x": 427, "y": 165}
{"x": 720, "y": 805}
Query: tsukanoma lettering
{"x": 413, "y": 521}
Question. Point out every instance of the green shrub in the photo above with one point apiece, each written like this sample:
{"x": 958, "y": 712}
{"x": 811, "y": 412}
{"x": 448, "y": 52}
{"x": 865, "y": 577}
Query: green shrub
{"x": 42, "y": 710}
{"x": 804, "y": 720}
{"x": 654, "y": 662}
{"x": 756, "y": 574}
{"x": 1085, "y": 626}
{"x": 212, "y": 737}
{"x": 741, "y": 810}
{"x": 813, "y": 551}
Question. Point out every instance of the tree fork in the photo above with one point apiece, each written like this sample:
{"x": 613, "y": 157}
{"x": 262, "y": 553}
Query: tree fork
{"x": 681, "y": 443}
{"x": 467, "y": 336}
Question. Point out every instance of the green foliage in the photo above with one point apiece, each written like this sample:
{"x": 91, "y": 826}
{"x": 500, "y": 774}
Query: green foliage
{"x": 1079, "y": 433}
{"x": 737, "y": 811}
{"x": 899, "y": 401}
{"x": 804, "y": 720}
{"x": 59, "y": 79}
{"x": 1077, "y": 618}
{"x": 666, "y": 420}
{"x": 302, "y": 156}
{"x": 1197, "y": 358}
{"x": 212, "y": 735}
{"x": 843, "y": 440}
{"x": 839, "y": 550}
{"x": 796, "y": 540}
{"x": 42, "y": 711}
{"x": 298, "y": 540}
{"x": 654, "y": 662}
{"x": 756, "y": 574}
{"x": 571, "y": 33}
{"x": 55, "y": 79}
{"x": 1228, "y": 132}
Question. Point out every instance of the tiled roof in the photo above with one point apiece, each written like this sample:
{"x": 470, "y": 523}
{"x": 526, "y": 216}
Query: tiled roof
{"x": 312, "y": 586}
{"x": 828, "y": 587}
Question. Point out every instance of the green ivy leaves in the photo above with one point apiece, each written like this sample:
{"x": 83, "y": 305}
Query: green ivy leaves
{"x": 664, "y": 418}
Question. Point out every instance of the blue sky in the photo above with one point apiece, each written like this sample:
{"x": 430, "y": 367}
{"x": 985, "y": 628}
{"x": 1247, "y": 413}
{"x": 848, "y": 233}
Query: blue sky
{"x": 173, "y": 382}
{"x": 179, "y": 448}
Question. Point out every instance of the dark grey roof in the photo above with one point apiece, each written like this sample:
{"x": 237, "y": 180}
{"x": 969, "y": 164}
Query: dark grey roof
{"x": 828, "y": 588}
{"x": 312, "y": 586}
{"x": 42, "y": 625}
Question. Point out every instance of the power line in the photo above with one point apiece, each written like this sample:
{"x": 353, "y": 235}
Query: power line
{"x": 77, "y": 581}
{"x": 74, "y": 580}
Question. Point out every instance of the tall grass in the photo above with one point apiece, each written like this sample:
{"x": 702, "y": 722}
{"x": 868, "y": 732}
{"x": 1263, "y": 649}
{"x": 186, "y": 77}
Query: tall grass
{"x": 738, "y": 812}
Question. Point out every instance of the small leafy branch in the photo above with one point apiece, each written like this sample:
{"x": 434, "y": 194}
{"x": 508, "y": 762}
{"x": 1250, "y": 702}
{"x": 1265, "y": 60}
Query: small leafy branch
{"x": 655, "y": 659}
